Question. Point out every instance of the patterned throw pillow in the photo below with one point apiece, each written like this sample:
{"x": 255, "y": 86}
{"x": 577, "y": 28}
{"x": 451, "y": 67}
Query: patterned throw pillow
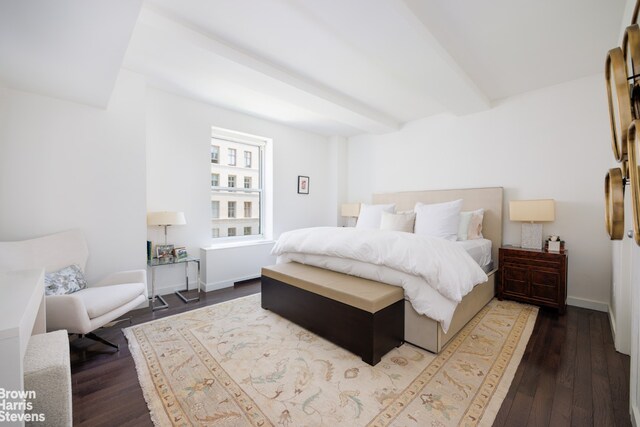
{"x": 64, "y": 281}
{"x": 475, "y": 225}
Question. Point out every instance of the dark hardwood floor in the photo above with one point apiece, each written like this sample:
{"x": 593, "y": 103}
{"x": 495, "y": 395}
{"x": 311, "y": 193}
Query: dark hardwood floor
{"x": 570, "y": 373}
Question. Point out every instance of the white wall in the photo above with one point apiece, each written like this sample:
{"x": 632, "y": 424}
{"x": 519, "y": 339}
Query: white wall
{"x": 65, "y": 165}
{"x": 179, "y": 167}
{"x": 339, "y": 154}
{"x": 551, "y": 143}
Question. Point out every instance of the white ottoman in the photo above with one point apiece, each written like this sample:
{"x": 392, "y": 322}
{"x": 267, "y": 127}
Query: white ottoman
{"x": 47, "y": 371}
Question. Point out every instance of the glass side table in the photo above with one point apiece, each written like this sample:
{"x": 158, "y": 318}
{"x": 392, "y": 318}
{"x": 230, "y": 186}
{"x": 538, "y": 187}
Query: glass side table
{"x": 157, "y": 262}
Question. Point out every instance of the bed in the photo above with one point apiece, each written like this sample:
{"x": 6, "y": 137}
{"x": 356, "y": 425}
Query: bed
{"x": 446, "y": 266}
{"x": 421, "y": 330}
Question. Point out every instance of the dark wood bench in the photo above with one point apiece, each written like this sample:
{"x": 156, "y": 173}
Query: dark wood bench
{"x": 362, "y": 316}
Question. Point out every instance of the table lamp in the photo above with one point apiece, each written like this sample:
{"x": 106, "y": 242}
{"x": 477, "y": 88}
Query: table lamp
{"x": 166, "y": 219}
{"x": 350, "y": 210}
{"x": 530, "y": 212}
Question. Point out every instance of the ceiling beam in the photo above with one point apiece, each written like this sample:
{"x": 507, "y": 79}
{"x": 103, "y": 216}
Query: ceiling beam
{"x": 274, "y": 80}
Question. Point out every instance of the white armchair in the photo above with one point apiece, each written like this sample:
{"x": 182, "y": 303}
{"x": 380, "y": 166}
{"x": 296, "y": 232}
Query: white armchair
{"x": 84, "y": 311}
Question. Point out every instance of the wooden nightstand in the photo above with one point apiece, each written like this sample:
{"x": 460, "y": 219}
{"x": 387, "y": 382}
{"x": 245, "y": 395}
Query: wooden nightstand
{"x": 533, "y": 276}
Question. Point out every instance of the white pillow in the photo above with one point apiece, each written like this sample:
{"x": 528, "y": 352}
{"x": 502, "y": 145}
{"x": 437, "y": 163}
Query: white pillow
{"x": 465, "y": 220}
{"x": 438, "y": 219}
{"x": 398, "y": 222}
{"x": 371, "y": 216}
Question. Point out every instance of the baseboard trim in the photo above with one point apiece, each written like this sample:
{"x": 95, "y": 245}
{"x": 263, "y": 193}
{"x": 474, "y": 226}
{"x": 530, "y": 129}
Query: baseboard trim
{"x": 585, "y": 303}
{"x": 208, "y": 287}
{"x": 635, "y": 415}
{"x": 612, "y": 322}
{"x": 167, "y": 290}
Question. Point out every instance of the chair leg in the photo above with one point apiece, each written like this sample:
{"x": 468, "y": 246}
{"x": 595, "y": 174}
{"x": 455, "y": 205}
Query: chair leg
{"x": 95, "y": 337}
{"x": 115, "y": 322}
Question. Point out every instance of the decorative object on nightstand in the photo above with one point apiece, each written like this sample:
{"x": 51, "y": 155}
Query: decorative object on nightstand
{"x": 180, "y": 253}
{"x": 533, "y": 276}
{"x": 350, "y": 210}
{"x": 166, "y": 219}
{"x": 554, "y": 244}
{"x": 530, "y": 212}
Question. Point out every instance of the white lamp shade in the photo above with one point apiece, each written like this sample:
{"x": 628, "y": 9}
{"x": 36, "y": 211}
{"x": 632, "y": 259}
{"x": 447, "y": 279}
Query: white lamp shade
{"x": 166, "y": 218}
{"x": 351, "y": 210}
{"x": 532, "y": 210}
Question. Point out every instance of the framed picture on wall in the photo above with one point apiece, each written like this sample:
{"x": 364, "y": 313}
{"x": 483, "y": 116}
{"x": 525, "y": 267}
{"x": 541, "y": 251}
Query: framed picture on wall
{"x": 303, "y": 185}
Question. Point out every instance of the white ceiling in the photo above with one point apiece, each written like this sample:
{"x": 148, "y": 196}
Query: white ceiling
{"x": 335, "y": 67}
{"x": 68, "y": 49}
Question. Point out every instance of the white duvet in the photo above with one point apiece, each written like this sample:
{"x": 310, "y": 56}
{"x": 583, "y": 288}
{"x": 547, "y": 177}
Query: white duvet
{"x": 434, "y": 273}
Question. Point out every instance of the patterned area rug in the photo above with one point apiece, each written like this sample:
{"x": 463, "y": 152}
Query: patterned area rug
{"x": 235, "y": 364}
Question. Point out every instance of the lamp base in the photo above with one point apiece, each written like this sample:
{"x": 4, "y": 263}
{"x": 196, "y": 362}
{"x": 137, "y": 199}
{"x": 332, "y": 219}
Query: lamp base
{"x": 531, "y": 236}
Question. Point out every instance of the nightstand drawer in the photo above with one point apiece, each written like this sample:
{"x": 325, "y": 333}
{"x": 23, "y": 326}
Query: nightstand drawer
{"x": 538, "y": 262}
{"x": 544, "y": 278}
{"x": 516, "y": 280}
{"x": 548, "y": 293}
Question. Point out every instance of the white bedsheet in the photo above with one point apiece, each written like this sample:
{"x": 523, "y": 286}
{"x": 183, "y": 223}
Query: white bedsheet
{"x": 479, "y": 249}
{"x": 434, "y": 273}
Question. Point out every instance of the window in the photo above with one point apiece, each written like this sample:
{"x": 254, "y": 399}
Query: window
{"x": 215, "y": 209}
{"x": 215, "y": 232}
{"x": 215, "y": 154}
{"x": 239, "y": 196}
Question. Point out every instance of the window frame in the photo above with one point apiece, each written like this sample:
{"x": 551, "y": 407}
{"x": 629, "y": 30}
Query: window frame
{"x": 232, "y": 160}
{"x": 260, "y": 183}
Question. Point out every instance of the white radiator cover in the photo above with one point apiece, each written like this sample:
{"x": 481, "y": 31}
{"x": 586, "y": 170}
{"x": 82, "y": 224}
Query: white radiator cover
{"x": 223, "y": 265}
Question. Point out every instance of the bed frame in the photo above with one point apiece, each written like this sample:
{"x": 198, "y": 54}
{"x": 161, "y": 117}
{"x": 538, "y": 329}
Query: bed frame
{"x": 424, "y": 331}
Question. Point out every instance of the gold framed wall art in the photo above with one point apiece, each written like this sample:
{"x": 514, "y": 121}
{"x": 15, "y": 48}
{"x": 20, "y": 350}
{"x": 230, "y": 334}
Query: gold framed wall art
{"x": 634, "y": 177}
{"x": 614, "y": 204}
{"x": 619, "y": 102}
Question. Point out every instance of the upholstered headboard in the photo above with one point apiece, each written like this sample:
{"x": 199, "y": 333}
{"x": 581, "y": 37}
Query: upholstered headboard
{"x": 489, "y": 198}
